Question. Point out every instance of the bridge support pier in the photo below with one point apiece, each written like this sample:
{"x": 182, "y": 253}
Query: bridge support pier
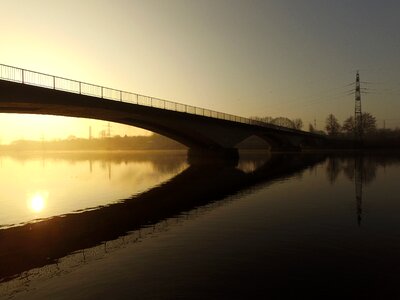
{"x": 219, "y": 155}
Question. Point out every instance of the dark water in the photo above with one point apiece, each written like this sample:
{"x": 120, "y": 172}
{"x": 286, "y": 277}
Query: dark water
{"x": 150, "y": 226}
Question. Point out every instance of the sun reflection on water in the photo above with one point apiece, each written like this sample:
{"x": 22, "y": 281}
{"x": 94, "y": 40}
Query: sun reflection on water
{"x": 37, "y": 202}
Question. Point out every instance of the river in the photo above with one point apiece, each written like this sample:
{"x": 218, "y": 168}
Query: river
{"x": 147, "y": 225}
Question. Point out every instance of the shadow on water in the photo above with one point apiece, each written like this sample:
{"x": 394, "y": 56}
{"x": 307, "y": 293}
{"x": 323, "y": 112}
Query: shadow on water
{"x": 38, "y": 244}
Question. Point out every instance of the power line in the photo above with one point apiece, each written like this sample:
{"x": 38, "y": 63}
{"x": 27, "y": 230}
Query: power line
{"x": 316, "y": 96}
{"x": 320, "y": 96}
{"x": 334, "y": 97}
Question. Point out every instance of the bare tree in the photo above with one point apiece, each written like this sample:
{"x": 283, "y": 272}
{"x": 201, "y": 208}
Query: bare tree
{"x": 368, "y": 124}
{"x": 262, "y": 119}
{"x": 283, "y": 121}
{"x": 348, "y": 125}
{"x": 332, "y": 125}
{"x": 297, "y": 123}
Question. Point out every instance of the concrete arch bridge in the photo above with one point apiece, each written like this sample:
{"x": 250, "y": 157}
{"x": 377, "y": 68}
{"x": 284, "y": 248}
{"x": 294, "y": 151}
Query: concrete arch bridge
{"x": 203, "y": 131}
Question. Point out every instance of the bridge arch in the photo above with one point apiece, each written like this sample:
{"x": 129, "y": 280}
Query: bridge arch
{"x": 204, "y": 135}
{"x": 189, "y": 130}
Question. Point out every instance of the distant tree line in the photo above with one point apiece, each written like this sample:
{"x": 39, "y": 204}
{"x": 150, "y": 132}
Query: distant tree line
{"x": 152, "y": 142}
{"x": 296, "y": 123}
{"x": 348, "y": 128}
{"x": 372, "y": 136}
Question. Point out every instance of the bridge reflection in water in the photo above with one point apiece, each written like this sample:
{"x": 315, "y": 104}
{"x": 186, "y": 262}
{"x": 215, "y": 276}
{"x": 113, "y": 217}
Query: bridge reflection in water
{"x": 254, "y": 237}
{"x": 38, "y": 244}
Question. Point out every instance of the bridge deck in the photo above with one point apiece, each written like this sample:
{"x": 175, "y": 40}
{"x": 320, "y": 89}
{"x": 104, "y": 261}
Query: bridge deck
{"x": 27, "y": 77}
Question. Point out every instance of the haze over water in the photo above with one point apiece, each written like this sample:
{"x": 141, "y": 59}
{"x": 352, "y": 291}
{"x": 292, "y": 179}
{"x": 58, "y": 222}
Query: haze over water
{"x": 145, "y": 226}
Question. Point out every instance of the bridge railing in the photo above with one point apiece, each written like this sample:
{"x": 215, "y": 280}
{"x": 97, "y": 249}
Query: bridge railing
{"x": 28, "y": 77}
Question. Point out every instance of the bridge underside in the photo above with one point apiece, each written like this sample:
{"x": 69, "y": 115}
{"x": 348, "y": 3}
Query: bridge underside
{"x": 204, "y": 136}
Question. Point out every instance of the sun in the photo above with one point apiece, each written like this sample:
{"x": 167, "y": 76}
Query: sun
{"x": 37, "y": 203}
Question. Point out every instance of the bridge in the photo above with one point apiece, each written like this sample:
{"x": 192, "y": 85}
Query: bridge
{"x": 205, "y": 132}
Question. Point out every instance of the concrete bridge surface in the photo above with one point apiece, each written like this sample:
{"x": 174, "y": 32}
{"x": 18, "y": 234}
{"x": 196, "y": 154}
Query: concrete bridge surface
{"x": 204, "y": 132}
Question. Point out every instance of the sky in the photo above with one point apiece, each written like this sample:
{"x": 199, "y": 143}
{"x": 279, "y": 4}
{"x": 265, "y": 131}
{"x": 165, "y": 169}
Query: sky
{"x": 275, "y": 58}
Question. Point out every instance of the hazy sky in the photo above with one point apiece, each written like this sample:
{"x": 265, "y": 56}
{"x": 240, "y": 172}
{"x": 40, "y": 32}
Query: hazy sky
{"x": 249, "y": 58}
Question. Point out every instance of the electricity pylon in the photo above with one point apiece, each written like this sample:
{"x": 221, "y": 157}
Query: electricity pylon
{"x": 358, "y": 122}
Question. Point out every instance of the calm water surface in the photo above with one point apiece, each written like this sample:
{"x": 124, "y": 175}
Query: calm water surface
{"x": 42, "y": 185}
{"x": 151, "y": 226}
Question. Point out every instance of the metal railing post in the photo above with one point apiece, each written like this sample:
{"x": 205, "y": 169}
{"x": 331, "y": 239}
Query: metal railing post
{"x": 23, "y": 81}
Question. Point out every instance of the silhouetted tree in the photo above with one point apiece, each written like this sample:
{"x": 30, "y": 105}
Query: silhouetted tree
{"x": 348, "y": 125}
{"x": 311, "y": 128}
{"x": 332, "y": 125}
{"x": 297, "y": 123}
{"x": 283, "y": 121}
{"x": 262, "y": 119}
{"x": 368, "y": 124}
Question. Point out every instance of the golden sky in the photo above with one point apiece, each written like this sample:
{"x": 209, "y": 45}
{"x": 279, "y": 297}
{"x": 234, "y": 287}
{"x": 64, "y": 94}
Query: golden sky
{"x": 248, "y": 58}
